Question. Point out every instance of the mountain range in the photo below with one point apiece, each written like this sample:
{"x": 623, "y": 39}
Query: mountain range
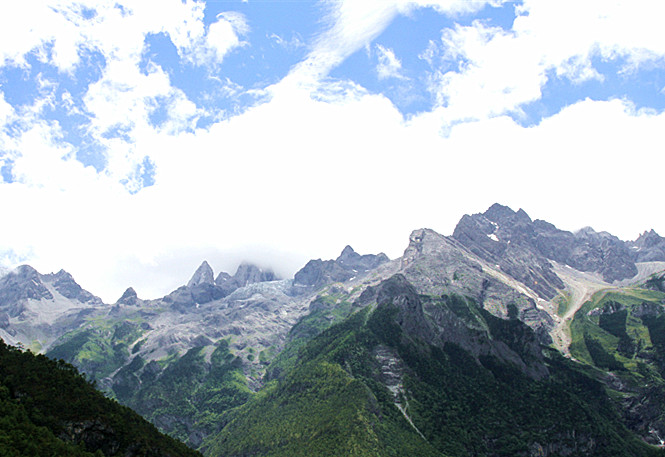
{"x": 510, "y": 337}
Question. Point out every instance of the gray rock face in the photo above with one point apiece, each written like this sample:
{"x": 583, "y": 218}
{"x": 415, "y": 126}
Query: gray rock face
{"x": 317, "y": 273}
{"x": 245, "y": 275}
{"x": 435, "y": 264}
{"x": 129, "y": 298}
{"x": 251, "y": 274}
{"x": 523, "y": 248}
{"x": 452, "y": 320}
{"x": 603, "y": 253}
{"x": 36, "y": 309}
{"x": 24, "y": 283}
{"x": 648, "y": 247}
{"x": 65, "y": 284}
{"x": 203, "y": 288}
{"x": 507, "y": 239}
{"x": 202, "y": 275}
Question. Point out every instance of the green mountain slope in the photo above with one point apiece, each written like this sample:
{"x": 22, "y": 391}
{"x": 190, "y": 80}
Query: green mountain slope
{"x": 49, "y": 409}
{"x": 419, "y": 375}
{"x": 190, "y": 395}
{"x": 320, "y": 409}
{"x": 184, "y": 396}
{"x": 621, "y": 335}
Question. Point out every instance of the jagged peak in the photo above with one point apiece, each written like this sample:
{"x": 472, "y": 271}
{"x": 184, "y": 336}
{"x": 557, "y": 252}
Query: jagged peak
{"x": 648, "y": 234}
{"x": 26, "y": 271}
{"x": 202, "y": 275}
{"x": 347, "y": 254}
{"x": 128, "y": 293}
{"x": 523, "y": 216}
{"x": 246, "y": 266}
{"x": 222, "y": 278}
{"x": 63, "y": 274}
{"x": 129, "y": 297}
{"x": 249, "y": 273}
{"x": 586, "y": 231}
{"x": 647, "y": 240}
{"x": 347, "y": 250}
{"x": 497, "y": 212}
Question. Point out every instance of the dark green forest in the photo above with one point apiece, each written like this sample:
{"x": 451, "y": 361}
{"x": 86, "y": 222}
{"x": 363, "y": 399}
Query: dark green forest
{"x": 49, "y": 409}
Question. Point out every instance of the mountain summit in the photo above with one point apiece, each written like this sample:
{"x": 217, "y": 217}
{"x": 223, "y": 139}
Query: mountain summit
{"x": 202, "y": 275}
{"x": 525, "y": 248}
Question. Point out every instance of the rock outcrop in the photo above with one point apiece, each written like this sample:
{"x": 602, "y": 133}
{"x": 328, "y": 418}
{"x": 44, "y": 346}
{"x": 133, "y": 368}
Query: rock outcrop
{"x": 524, "y": 248}
{"x": 204, "y": 288}
{"x": 648, "y": 247}
{"x": 317, "y": 273}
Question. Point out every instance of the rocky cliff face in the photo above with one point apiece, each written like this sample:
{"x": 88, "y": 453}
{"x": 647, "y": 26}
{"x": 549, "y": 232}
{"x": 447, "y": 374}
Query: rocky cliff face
{"x": 35, "y": 309}
{"x": 437, "y": 265}
{"x": 204, "y": 288}
{"x": 524, "y": 248}
{"x": 454, "y": 319}
{"x": 349, "y": 265}
{"x": 648, "y": 247}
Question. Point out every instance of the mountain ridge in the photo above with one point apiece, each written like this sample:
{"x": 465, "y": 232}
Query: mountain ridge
{"x": 252, "y": 326}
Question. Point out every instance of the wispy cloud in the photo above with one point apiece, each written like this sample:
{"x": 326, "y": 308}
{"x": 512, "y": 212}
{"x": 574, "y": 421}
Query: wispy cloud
{"x": 388, "y": 65}
{"x": 500, "y": 70}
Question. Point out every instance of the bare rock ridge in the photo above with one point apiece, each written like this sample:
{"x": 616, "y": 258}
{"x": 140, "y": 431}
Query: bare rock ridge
{"x": 40, "y": 308}
{"x": 437, "y": 264}
{"x": 424, "y": 318}
{"x": 129, "y": 298}
{"x": 246, "y": 274}
{"x": 202, "y": 275}
{"x": 348, "y": 265}
{"x": 648, "y": 247}
{"x": 27, "y": 283}
{"x": 203, "y": 287}
{"x": 524, "y": 248}
{"x": 24, "y": 283}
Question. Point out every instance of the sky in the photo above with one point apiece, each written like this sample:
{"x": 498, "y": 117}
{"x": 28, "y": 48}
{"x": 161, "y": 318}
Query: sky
{"x": 141, "y": 137}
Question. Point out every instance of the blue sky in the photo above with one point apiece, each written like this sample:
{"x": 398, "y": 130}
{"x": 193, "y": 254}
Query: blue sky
{"x": 139, "y": 137}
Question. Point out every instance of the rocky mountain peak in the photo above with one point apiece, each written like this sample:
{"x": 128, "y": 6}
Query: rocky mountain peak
{"x": 203, "y": 275}
{"x": 586, "y": 232}
{"x": 349, "y": 264}
{"x": 423, "y": 241}
{"x": 63, "y": 275}
{"x": 648, "y": 239}
{"x": 25, "y": 272}
{"x": 23, "y": 283}
{"x": 129, "y": 297}
{"x": 222, "y": 278}
{"x": 64, "y": 283}
{"x": 523, "y": 248}
{"x": 248, "y": 273}
{"x": 347, "y": 254}
{"x": 498, "y": 213}
{"x": 648, "y": 247}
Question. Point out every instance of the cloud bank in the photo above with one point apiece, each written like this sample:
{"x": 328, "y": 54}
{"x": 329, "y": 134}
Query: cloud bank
{"x": 313, "y": 162}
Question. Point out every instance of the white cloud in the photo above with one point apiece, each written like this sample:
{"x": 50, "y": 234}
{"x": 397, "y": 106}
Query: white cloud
{"x": 6, "y": 110}
{"x": 317, "y": 167}
{"x": 67, "y": 27}
{"x": 504, "y": 69}
{"x": 353, "y": 24}
{"x": 296, "y": 41}
{"x": 389, "y": 65}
